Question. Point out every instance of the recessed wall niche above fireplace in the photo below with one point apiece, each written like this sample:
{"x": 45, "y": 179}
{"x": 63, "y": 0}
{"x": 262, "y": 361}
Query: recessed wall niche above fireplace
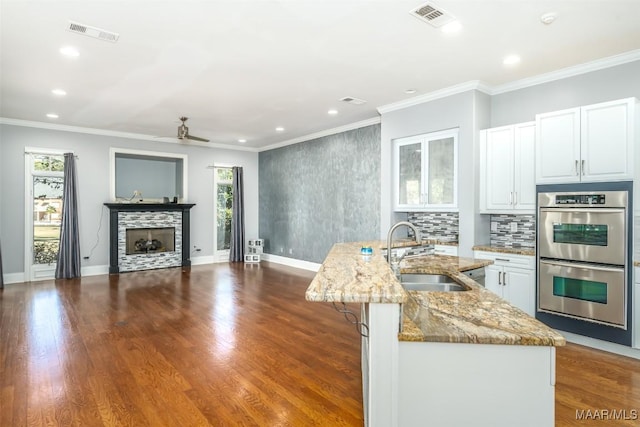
{"x": 146, "y": 236}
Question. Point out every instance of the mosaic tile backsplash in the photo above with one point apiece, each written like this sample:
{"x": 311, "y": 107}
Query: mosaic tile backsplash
{"x": 435, "y": 225}
{"x": 523, "y": 237}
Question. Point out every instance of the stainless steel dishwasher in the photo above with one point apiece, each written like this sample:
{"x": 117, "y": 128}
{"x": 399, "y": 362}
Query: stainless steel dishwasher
{"x": 476, "y": 274}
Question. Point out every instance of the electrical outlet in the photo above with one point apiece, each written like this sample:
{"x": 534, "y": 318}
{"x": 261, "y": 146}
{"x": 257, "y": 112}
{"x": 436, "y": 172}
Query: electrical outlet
{"x": 514, "y": 227}
{"x": 290, "y": 251}
{"x": 494, "y": 226}
{"x": 281, "y": 250}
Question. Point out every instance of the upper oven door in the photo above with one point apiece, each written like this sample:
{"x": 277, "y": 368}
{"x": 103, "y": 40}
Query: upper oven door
{"x": 589, "y": 235}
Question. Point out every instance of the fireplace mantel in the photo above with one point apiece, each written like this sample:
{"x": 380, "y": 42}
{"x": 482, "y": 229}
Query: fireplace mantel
{"x": 128, "y": 208}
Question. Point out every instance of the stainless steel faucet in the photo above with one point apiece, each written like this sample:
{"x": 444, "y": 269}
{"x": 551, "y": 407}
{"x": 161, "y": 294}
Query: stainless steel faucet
{"x": 390, "y": 235}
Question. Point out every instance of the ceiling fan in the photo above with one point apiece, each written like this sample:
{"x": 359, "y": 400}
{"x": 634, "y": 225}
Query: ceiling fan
{"x": 183, "y": 132}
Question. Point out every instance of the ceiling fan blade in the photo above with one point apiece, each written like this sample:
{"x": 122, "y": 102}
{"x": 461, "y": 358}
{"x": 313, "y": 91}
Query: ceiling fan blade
{"x": 195, "y": 138}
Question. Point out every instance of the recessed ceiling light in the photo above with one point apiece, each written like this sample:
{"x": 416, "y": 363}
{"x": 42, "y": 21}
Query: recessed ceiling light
{"x": 548, "y": 18}
{"x": 451, "y": 27}
{"x": 410, "y": 91}
{"x": 69, "y": 51}
{"x": 332, "y": 112}
{"x": 242, "y": 141}
{"x": 279, "y": 129}
{"x": 511, "y": 60}
{"x": 52, "y": 115}
{"x": 59, "y": 92}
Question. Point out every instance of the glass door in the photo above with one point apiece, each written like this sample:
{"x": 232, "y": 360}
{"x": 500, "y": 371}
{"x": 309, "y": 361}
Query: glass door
{"x": 45, "y": 188}
{"x": 223, "y": 182}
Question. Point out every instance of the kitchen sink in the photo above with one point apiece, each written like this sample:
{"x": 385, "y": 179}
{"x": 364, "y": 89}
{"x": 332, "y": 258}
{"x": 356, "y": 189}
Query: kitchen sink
{"x": 430, "y": 283}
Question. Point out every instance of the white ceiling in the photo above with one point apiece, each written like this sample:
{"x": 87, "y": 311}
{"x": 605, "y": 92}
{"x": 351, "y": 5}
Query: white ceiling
{"x": 239, "y": 68}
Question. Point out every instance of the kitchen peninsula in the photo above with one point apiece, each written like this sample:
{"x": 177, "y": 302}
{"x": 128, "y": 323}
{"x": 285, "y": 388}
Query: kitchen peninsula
{"x": 441, "y": 358}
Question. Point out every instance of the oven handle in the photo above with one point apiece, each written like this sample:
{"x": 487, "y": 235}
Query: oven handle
{"x": 585, "y": 210}
{"x": 581, "y": 265}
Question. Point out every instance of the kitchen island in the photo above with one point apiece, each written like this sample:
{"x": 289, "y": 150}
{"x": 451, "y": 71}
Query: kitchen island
{"x": 441, "y": 358}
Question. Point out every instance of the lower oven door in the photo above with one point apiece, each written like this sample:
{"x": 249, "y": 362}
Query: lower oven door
{"x": 589, "y": 292}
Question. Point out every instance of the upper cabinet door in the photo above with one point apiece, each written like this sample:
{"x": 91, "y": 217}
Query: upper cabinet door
{"x": 558, "y": 147}
{"x": 524, "y": 179}
{"x": 499, "y": 170}
{"x": 507, "y": 175}
{"x": 607, "y": 135}
{"x": 426, "y": 172}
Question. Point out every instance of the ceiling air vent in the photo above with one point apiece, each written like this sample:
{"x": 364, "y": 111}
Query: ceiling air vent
{"x": 352, "y": 100}
{"x": 432, "y": 14}
{"x": 96, "y": 33}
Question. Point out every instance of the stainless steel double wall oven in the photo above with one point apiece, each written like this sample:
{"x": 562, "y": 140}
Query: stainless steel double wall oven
{"x": 583, "y": 258}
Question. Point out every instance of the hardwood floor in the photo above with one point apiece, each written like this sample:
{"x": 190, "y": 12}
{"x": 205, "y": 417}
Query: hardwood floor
{"x": 222, "y": 345}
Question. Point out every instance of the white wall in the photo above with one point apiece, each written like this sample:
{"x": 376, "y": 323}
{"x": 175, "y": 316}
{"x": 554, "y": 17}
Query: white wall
{"x": 522, "y": 105}
{"x": 93, "y": 187}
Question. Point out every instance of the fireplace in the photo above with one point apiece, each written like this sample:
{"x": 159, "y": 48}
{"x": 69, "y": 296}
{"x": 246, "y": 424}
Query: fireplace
{"x": 146, "y": 236}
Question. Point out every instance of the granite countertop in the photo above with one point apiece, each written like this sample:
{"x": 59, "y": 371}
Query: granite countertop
{"x": 504, "y": 250}
{"x": 348, "y": 276}
{"x": 474, "y": 316}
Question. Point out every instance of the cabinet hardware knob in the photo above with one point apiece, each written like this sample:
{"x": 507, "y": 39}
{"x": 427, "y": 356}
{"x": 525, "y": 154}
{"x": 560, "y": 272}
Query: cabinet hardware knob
{"x": 577, "y": 171}
{"x": 504, "y": 279}
{"x": 499, "y": 277}
{"x": 582, "y": 168}
{"x": 515, "y": 198}
{"x": 503, "y": 259}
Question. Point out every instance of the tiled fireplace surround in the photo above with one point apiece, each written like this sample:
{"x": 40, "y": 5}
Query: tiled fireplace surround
{"x": 125, "y": 216}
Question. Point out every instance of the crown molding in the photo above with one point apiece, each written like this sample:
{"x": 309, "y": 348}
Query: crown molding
{"x": 563, "y": 73}
{"x": 587, "y": 67}
{"x": 438, "y": 94}
{"x": 126, "y": 135}
{"x": 333, "y": 131}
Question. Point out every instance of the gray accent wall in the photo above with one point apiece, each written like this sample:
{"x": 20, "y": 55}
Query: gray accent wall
{"x": 93, "y": 188}
{"x": 320, "y": 192}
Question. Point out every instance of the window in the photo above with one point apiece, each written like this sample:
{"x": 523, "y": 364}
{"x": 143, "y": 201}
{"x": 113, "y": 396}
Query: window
{"x": 223, "y": 180}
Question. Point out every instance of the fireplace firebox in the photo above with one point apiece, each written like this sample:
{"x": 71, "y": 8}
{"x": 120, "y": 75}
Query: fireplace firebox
{"x": 150, "y": 240}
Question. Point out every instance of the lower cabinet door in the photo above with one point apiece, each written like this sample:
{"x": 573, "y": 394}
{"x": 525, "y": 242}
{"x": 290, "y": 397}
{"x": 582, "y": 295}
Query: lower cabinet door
{"x": 493, "y": 279}
{"x": 518, "y": 289}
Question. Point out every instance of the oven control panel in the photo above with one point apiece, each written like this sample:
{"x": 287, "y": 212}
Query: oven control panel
{"x": 580, "y": 199}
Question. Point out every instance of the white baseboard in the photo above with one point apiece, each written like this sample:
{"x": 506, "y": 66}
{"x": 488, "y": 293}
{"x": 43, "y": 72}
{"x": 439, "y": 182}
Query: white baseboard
{"x": 200, "y": 260}
{"x": 291, "y": 262}
{"x": 622, "y": 350}
{"x": 10, "y": 278}
{"x": 94, "y": 270}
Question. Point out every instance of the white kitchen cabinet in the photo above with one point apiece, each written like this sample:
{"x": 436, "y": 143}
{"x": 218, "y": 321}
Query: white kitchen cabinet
{"x": 507, "y": 173}
{"x": 590, "y": 143}
{"x": 511, "y": 277}
{"x": 426, "y": 172}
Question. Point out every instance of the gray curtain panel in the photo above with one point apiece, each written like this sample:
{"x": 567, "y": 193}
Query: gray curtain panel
{"x": 68, "y": 265}
{"x": 236, "y": 251}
